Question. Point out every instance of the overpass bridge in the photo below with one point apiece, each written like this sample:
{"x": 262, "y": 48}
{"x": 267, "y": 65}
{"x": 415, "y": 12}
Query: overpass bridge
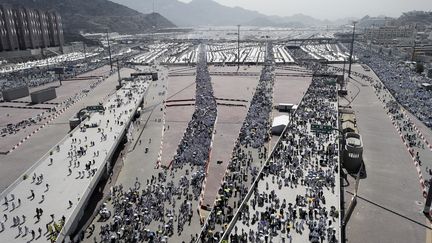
{"x": 63, "y": 180}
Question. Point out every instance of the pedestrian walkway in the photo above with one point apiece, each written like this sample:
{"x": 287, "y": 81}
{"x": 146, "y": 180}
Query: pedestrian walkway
{"x": 298, "y": 198}
{"x": 48, "y": 198}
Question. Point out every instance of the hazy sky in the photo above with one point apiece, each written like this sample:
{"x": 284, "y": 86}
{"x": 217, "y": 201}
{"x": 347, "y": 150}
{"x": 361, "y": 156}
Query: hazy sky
{"x": 331, "y": 9}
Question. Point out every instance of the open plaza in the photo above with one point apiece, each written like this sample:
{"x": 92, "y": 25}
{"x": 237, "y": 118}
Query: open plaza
{"x": 177, "y": 143}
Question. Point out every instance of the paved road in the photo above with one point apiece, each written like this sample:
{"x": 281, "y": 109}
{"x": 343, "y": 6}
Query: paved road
{"x": 17, "y": 162}
{"x": 142, "y": 166}
{"x": 228, "y": 124}
{"x": 64, "y": 92}
{"x": 146, "y": 134}
{"x": 390, "y": 204}
{"x": 274, "y": 184}
{"x": 61, "y": 180}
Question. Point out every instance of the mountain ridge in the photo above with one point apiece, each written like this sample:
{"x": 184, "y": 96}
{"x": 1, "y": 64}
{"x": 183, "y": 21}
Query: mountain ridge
{"x": 97, "y": 15}
{"x": 209, "y": 12}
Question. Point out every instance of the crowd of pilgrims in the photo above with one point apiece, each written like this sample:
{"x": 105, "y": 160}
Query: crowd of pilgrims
{"x": 153, "y": 213}
{"x": 411, "y": 136}
{"x": 165, "y": 205}
{"x": 249, "y": 151}
{"x": 13, "y": 128}
{"x": 81, "y": 159}
{"x": 305, "y": 164}
{"x": 135, "y": 210}
{"x": 38, "y": 76}
{"x": 402, "y": 82}
{"x": 302, "y": 159}
{"x": 194, "y": 147}
{"x": 255, "y": 129}
{"x": 399, "y": 88}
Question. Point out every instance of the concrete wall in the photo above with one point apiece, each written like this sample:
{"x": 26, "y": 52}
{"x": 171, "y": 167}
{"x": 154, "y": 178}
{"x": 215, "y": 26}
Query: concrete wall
{"x": 24, "y": 54}
{"x": 16, "y": 93}
{"x": 41, "y": 96}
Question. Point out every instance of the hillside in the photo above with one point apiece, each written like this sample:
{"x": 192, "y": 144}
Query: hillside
{"x": 209, "y": 12}
{"x": 97, "y": 15}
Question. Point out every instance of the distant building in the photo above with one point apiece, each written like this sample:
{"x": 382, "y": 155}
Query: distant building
{"x": 23, "y": 28}
{"x": 8, "y": 31}
{"x": 367, "y": 21}
{"x": 55, "y": 29}
{"x": 388, "y": 34}
{"x": 279, "y": 124}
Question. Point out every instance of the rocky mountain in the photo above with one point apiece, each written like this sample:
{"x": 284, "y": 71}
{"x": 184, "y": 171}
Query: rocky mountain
{"x": 209, "y": 12}
{"x": 97, "y": 15}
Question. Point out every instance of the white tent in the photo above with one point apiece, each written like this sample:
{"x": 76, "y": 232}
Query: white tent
{"x": 279, "y": 124}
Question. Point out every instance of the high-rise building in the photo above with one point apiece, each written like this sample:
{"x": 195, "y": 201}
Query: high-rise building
{"x": 9, "y": 35}
{"x": 23, "y": 28}
{"x": 55, "y": 29}
{"x": 43, "y": 20}
{"x": 389, "y": 34}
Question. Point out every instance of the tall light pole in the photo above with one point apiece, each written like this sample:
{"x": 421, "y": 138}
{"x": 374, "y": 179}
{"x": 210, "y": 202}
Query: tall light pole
{"x": 414, "y": 43}
{"x": 343, "y": 71}
{"x": 118, "y": 72}
{"x": 238, "y": 47}
{"x": 109, "y": 50}
{"x": 352, "y": 49}
{"x": 154, "y": 11}
{"x": 85, "y": 51}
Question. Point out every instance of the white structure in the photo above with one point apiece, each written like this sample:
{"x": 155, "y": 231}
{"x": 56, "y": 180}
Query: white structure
{"x": 286, "y": 107}
{"x": 279, "y": 124}
{"x": 61, "y": 186}
{"x": 353, "y": 152}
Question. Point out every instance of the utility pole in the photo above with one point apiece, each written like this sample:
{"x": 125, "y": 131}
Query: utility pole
{"x": 352, "y": 49}
{"x": 60, "y": 79}
{"x": 371, "y": 36}
{"x": 118, "y": 72}
{"x": 238, "y": 47}
{"x": 154, "y": 12}
{"x": 414, "y": 43}
{"x": 85, "y": 52}
{"x": 343, "y": 73}
{"x": 109, "y": 50}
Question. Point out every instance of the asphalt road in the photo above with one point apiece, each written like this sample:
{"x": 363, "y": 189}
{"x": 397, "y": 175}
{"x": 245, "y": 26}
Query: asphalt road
{"x": 14, "y": 164}
{"x": 390, "y": 202}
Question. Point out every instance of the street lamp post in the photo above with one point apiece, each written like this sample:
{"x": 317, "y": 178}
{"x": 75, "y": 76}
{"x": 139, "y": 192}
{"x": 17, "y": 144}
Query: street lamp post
{"x": 109, "y": 50}
{"x": 118, "y": 72}
{"x": 238, "y": 47}
{"x": 352, "y": 49}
